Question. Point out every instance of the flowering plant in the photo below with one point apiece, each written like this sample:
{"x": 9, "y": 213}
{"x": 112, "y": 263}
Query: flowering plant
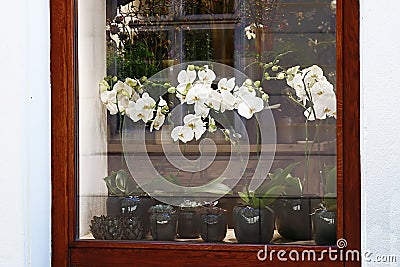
{"x": 312, "y": 91}
{"x": 194, "y": 89}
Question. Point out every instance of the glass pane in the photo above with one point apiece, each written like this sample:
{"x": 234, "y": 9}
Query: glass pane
{"x": 207, "y": 120}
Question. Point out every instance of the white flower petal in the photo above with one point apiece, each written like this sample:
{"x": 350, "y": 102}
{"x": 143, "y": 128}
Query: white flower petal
{"x": 162, "y": 102}
{"x": 244, "y": 111}
{"x": 201, "y": 109}
{"x": 183, "y": 133}
{"x": 108, "y": 97}
{"x": 207, "y": 75}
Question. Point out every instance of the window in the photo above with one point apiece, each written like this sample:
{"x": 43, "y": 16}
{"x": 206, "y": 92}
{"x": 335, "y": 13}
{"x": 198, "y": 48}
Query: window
{"x": 229, "y": 36}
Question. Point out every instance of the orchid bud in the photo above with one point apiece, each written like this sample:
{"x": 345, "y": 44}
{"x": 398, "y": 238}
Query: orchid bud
{"x": 281, "y": 76}
{"x": 172, "y": 90}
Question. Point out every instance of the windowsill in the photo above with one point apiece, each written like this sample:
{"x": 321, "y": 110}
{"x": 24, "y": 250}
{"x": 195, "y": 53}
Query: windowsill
{"x": 229, "y": 239}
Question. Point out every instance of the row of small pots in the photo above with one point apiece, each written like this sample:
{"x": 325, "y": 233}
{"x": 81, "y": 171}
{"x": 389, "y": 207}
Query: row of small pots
{"x": 291, "y": 217}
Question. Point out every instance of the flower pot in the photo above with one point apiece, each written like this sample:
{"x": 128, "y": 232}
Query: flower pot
{"x": 188, "y": 224}
{"x": 253, "y": 226}
{"x": 116, "y": 228}
{"x": 324, "y": 227}
{"x": 131, "y": 207}
{"x": 213, "y": 227}
{"x": 293, "y": 216}
{"x": 163, "y": 225}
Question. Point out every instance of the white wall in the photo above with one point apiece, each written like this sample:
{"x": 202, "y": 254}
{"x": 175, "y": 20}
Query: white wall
{"x": 380, "y": 136}
{"x": 92, "y": 114}
{"x": 24, "y": 136}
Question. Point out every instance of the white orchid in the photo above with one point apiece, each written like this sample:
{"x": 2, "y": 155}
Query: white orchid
{"x": 194, "y": 88}
{"x": 298, "y": 85}
{"x": 325, "y": 107}
{"x": 158, "y": 120}
{"x": 312, "y": 75}
{"x": 229, "y": 101}
{"x": 185, "y": 80}
{"x": 109, "y": 99}
{"x": 142, "y": 109}
{"x": 183, "y": 133}
{"x": 123, "y": 89}
{"x": 321, "y": 89}
{"x": 249, "y": 105}
{"x": 162, "y": 102}
{"x": 201, "y": 109}
{"x": 314, "y": 91}
{"x": 103, "y": 85}
{"x": 194, "y": 128}
{"x": 198, "y": 93}
{"x": 206, "y": 76}
{"x": 243, "y": 90}
{"x": 225, "y": 84}
{"x": 195, "y": 123}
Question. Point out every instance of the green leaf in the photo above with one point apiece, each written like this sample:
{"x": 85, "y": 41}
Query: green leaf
{"x": 121, "y": 180}
{"x": 330, "y": 183}
{"x": 214, "y": 187}
{"x": 272, "y": 194}
{"x": 244, "y": 197}
{"x": 293, "y": 186}
{"x": 330, "y": 201}
{"x": 277, "y": 178}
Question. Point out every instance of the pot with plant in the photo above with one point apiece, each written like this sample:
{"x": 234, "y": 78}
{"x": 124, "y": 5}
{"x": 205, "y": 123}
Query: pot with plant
{"x": 214, "y": 223}
{"x": 254, "y": 221}
{"x": 314, "y": 94}
{"x": 293, "y": 209}
{"x": 163, "y": 222}
{"x": 189, "y": 219}
{"x": 117, "y": 228}
{"x": 325, "y": 218}
{"x": 127, "y": 200}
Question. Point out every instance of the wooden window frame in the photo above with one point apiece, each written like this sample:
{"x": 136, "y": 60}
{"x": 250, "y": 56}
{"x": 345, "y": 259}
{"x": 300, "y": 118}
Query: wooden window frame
{"x": 68, "y": 251}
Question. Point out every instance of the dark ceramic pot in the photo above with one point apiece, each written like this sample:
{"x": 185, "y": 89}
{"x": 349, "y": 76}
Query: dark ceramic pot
{"x": 213, "y": 227}
{"x": 163, "y": 226}
{"x": 324, "y": 227}
{"x": 253, "y": 226}
{"x": 189, "y": 224}
{"x": 131, "y": 207}
{"x": 293, "y": 216}
{"x": 116, "y": 228}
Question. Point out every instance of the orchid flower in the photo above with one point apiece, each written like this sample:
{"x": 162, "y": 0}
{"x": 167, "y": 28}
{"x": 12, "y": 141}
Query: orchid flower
{"x": 142, "y": 109}
{"x": 109, "y": 99}
{"x": 183, "y": 133}
{"x": 185, "y": 80}
{"x": 321, "y": 89}
{"x": 225, "y": 84}
{"x": 195, "y": 123}
{"x": 123, "y": 89}
{"x": 158, "y": 120}
{"x": 249, "y": 105}
{"x": 206, "y": 76}
{"x": 312, "y": 75}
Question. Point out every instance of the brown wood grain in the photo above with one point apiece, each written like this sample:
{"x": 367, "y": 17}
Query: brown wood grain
{"x": 62, "y": 127}
{"x": 154, "y": 257}
{"x": 66, "y": 251}
{"x": 351, "y": 127}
